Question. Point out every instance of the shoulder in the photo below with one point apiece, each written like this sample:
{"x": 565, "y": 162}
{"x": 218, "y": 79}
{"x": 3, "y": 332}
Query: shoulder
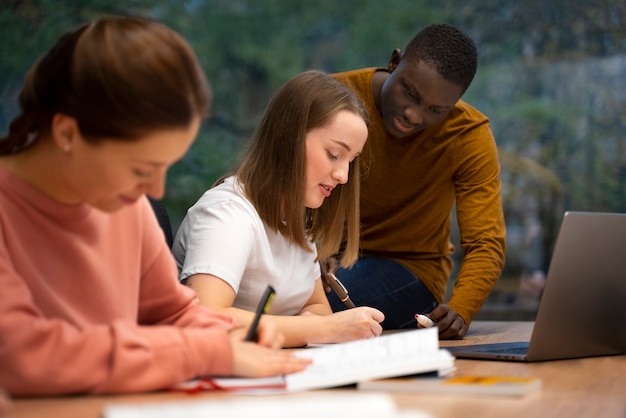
{"x": 358, "y": 80}
{"x": 464, "y": 125}
{"x": 464, "y": 112}
{"x": 224, "y": 204}
{"x": 228, "y": 194}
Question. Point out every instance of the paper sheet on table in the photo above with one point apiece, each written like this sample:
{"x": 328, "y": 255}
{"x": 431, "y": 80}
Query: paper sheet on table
{"x": 303, "y": 405}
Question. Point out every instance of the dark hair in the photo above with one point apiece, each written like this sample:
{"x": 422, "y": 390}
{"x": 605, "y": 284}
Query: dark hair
{"x": 448, "y": 50}
{"x": 119, "y": 77}
{"x": 273, "y": 170}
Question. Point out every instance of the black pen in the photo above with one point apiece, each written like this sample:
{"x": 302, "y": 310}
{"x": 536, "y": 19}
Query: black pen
{"x": 264, "y": 305}
{"x": 340, "y": 290}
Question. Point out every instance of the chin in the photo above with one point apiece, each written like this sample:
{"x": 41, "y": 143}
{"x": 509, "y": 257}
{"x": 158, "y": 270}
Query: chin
{"x": 314, "y": 205}
{"x": 108, "y": 207}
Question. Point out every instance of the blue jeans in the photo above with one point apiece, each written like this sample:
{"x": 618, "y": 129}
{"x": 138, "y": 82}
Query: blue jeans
{"x": 387, "y": 286}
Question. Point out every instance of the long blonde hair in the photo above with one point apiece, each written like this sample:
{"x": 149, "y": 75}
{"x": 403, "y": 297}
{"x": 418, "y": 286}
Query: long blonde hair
{"x": 273, "y": 169}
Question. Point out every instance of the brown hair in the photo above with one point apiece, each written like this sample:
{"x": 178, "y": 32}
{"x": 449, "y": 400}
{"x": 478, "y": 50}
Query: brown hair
{"x": 273, "y": 170}
{"x": 119, "y": 77}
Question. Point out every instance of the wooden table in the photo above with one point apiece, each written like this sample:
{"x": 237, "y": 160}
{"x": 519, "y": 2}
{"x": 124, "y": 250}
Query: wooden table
{"x": 592, "y": 387}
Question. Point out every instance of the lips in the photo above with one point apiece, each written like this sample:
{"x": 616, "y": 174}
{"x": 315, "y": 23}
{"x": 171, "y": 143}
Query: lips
{"x": 401, "y": 126}
{"x": 326, "y": 190}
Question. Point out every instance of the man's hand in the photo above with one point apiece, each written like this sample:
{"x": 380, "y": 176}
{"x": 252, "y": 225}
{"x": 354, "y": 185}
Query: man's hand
{"x": 451, "y": 325}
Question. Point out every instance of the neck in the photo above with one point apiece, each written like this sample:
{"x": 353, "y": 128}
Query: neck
{"x": 41, "y": 167}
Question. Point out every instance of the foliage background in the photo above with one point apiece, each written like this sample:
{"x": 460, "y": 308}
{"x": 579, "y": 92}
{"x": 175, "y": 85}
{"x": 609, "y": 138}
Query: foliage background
{"x": 551, "y": 79}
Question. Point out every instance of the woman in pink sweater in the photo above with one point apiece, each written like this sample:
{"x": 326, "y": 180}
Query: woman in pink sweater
{"x": 90, "y": 298}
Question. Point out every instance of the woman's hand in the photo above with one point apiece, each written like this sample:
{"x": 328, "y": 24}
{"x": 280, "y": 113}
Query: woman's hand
{"x": 351, "y": 324}
{"x": 264, "y": 358}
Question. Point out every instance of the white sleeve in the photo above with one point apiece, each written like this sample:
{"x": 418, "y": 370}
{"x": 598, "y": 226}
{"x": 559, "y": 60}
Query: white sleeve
{"x": 216, "y": 239}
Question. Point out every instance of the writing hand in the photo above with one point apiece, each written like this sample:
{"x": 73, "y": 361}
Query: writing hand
{"x": 349, "y": 325}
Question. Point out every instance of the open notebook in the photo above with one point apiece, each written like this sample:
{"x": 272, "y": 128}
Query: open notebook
{"x": 582, "y": 310}
{"x": 394, "y": 354}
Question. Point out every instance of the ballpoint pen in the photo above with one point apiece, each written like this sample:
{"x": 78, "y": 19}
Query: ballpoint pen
{"x": 340, "y": 290}
{"x": 264, "y": 305}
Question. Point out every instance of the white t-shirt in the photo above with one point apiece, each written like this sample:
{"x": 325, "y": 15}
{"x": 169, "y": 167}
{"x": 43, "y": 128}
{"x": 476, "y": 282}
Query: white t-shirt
{"x": 223, "y": 235}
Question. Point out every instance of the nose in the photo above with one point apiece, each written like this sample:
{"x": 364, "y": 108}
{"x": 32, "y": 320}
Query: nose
{"x": 340, "y": 174}
{"x": 414, "y": 115}
{"x": 155, "y": 187}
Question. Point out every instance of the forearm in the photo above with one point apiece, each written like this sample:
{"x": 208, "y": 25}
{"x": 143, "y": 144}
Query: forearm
{"x": 298, "y": 330}
{"x": 475, "y": 281}
{"x": 316, "y": 309}
{"x": 119, "y": 358}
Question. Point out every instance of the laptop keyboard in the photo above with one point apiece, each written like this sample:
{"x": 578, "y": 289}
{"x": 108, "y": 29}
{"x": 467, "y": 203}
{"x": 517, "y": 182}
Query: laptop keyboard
{"x": 510, "y": 350}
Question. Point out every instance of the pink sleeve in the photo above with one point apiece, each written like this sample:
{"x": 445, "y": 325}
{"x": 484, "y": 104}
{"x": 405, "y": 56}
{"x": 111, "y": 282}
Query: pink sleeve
{"x": 46, "y": 356}
{"x": 172, "y": 339}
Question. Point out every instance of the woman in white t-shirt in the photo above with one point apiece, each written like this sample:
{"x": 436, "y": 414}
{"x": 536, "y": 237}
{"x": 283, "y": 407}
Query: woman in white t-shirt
{"x": 291, "y": 201}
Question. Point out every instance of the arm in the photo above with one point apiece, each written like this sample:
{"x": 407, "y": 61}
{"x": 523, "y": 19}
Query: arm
{"x": 61, "y": 334}
{"x": 68, "y": 316}
{"x": 481, "y": 224}
{"x": 49, "y": 355}
{"x": 318, "y": 302}
{"x": 318, "y": 325}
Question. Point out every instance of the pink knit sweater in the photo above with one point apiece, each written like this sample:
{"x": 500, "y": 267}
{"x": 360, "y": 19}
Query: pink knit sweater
{"x": 91, "y": 303}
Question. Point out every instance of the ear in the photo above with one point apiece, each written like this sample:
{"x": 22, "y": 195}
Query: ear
{"x": 64, "y": 131}
{"x": 396, "y": 56}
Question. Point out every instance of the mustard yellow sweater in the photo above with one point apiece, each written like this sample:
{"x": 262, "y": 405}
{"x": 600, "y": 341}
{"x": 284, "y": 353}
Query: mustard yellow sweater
{"x": 409, "y": 188}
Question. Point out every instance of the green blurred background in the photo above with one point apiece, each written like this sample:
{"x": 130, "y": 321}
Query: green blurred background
{"x": 551, "y": 78}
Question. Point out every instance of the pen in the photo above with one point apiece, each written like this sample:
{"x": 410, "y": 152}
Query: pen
{"x": 340, "y": 290}
{"x": 264, "y": 305}
{"x": 424, "y": 321}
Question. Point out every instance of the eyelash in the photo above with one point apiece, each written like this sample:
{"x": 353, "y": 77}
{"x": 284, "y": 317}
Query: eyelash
{"x": 332, "y": 156}
{"x": 432, "y": 109}
{"x": 417, "y": 100}
{"x": 143, "y": 174}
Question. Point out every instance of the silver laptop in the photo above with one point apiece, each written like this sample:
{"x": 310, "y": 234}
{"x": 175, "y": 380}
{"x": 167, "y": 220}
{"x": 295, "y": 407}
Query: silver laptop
{"x": 582, "y": 312}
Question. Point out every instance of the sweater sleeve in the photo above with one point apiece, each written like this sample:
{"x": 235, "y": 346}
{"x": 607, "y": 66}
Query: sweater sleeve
{"x": 481, "y": 222}
{"x": 171, "y": 339}
{"x": 49, "y": 356}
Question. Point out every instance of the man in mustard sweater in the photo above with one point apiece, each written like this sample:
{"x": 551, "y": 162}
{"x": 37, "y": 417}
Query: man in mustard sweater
{"x": 428, "y": 153}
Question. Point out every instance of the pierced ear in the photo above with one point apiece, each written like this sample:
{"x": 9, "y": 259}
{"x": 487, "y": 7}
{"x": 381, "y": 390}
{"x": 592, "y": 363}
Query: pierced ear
{"x": 396, "y": 56}
{"x": 64, "y": 131}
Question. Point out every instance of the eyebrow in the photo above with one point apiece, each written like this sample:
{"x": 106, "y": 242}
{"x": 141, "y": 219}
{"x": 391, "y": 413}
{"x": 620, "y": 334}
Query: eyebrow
{"x": 343, "y": 144}
{"x": 416, "y": 92}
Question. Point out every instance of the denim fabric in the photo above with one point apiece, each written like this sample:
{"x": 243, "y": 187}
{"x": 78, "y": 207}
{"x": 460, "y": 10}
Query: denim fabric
{"x": 388, "y": 286}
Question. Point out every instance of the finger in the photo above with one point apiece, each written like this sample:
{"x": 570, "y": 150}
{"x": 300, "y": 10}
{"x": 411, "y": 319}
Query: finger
{"x": 268, "y": 335}
{"x": 377, "y": 330}
{"x": 439, "y": 313}
{"x": 238, "y": 333}
{"x": 454, "y": 330}
{"x": 294, "y": 364}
